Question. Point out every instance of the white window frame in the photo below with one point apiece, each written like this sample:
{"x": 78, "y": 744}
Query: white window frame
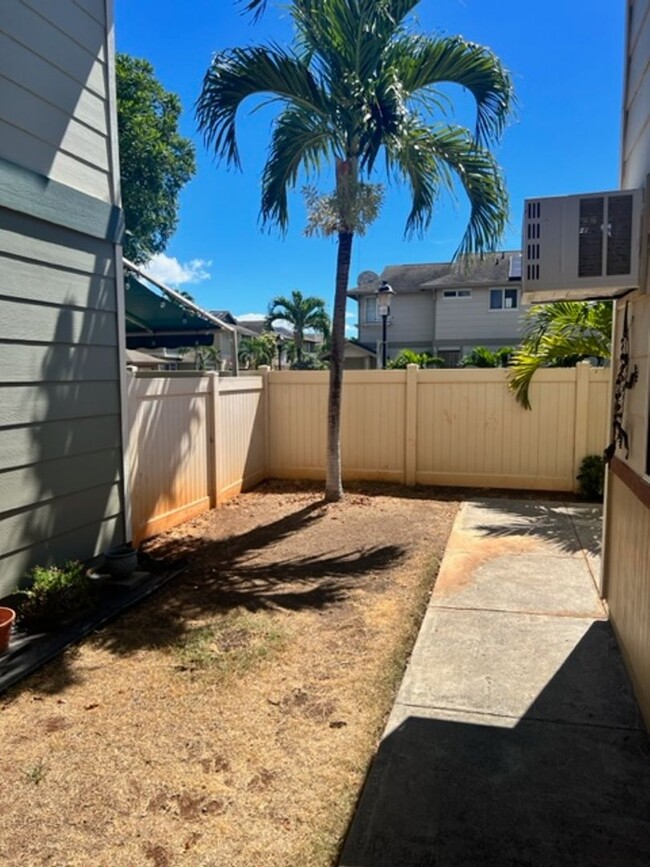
{"x": 365, "y": 318}
{"x": 461, "y": 294}
{"x": 503, "y": 290}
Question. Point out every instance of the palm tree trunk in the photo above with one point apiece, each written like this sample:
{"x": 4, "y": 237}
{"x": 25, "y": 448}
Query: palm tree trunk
{"x": 333, "y": 485}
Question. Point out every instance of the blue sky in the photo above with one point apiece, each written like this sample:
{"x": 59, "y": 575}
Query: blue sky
{"x": 566, "y": 62}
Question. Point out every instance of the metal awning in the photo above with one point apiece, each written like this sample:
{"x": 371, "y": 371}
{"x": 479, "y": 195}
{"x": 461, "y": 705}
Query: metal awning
{"x": 153, "y": 321}
{"x": 166, "y": 320}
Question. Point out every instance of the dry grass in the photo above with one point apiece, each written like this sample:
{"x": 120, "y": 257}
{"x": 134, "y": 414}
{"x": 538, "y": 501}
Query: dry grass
{"x": 229, "y": 720}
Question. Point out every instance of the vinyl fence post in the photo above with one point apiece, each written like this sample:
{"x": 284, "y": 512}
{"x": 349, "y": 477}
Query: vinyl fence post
{"x": 214, "y": 410}
{"x": 410, "y": 438}
{"x": 265, "y": 370}
{"x": 581, "y": 418}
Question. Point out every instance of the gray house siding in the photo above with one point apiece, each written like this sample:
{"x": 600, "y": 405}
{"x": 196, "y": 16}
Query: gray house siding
{"x": 53, "y": 93}
{"x": 470, "y": 320}
{"x": 61, "y": 427}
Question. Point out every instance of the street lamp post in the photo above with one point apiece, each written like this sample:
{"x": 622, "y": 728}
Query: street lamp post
{"x": 278, "y": 343}
{"x": 384, "y": 295}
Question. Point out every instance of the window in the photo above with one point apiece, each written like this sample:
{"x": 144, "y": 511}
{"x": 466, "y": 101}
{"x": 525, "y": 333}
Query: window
{"x": 504, "y": 299}
{"x": 370, "y": 309}
{"x": 451, "y": 357}
{"x": 457, "y": 293}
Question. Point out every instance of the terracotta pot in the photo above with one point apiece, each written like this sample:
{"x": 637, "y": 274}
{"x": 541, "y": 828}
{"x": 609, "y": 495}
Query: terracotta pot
{"x": 7, "y": 617}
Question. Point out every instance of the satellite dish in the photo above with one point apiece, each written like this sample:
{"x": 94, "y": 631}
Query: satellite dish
{"x": 367, "y": 277}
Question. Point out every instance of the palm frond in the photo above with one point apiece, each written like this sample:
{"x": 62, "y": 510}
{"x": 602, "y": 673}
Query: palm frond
{"x": 425, "y": 62}
{"x": 411, "y": 155}
{"x": 255, "y": 7}
{"x": 238, "y": 73}
{"x": 300, "y": 140}
{"x": 558, "y": 334}
{"x": 483, "y": 183}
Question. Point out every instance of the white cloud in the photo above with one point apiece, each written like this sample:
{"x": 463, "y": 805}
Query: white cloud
{"x": 250, "y": 317}
{"x": 171, "y": 272}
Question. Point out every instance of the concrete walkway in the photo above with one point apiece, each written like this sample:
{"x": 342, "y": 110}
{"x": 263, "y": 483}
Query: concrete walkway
{"x": 515, "y": 738}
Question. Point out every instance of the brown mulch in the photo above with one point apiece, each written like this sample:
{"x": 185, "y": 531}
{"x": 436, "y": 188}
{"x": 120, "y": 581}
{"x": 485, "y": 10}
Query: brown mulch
{"x": 229, "y": 720}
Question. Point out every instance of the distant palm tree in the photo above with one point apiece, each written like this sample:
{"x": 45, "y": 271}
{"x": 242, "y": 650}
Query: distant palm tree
{"x": 357, "y": 84}
{"x": 302, "y": 314}
{"x": 559, "y": 335}
{"x": 255, "y": 351}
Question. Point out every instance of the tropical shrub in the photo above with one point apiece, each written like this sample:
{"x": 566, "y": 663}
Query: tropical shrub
{"x": 481, "y": 356}
{"x": 591, "y": 477}
{"x": 55, "y": 594}
{"x": 408, "y": 356}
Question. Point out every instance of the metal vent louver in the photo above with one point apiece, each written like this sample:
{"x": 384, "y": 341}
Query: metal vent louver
{"x": 580, "y": 247}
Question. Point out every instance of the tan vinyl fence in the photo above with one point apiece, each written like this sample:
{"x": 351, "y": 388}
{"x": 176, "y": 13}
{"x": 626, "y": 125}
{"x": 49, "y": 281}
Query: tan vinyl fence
{"x": 442, "y": 427}
{"x": 196, "y": 440}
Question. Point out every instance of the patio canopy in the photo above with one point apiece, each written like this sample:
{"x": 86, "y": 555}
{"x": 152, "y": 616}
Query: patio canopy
{"x": 155, "y": 321}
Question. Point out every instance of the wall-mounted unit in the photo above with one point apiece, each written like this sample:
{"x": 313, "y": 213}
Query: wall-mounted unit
{"x": 581, "y": 247}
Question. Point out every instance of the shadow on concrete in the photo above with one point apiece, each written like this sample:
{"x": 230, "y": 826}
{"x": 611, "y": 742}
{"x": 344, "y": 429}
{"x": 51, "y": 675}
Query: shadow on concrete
{"x": 469, "y": 790}
{"x": 569, "y": 527}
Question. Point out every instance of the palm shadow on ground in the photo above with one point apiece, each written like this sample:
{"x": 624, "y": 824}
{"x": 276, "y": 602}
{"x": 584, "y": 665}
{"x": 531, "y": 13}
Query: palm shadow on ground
{"x": 241, "y": 572}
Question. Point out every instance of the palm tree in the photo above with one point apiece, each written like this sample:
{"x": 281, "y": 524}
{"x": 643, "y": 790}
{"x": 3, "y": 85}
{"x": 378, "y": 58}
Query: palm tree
{"x": 559, "y": 335}
{"x": 302, "y": 313}
{"x": 254, "y": 351}
{"x": 357, "y": 85}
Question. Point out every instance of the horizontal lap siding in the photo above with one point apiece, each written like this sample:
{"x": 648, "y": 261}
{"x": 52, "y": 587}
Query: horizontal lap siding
{"x": 60, "y": 429}
{"x": 470, "y": 319}
{"x": 627, "y": 582}
{"x": 53, "y": 92}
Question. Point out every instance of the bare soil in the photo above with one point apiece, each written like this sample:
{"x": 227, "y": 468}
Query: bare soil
{"x": 229, "y": 720}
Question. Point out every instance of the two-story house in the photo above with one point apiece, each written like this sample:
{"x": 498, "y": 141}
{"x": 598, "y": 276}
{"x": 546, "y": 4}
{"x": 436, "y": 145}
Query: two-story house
{"x": 444, "y": 308}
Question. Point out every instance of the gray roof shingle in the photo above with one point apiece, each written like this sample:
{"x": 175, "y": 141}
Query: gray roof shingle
{"x": 491, "y": 270}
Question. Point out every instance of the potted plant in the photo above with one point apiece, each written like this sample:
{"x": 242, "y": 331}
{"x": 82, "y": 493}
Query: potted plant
{"x": 7, "y": 617}
{"x": 55, "y": 596}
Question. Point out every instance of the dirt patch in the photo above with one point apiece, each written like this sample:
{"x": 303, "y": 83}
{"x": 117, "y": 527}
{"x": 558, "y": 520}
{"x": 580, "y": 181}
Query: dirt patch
{"x": 230, "y": 718}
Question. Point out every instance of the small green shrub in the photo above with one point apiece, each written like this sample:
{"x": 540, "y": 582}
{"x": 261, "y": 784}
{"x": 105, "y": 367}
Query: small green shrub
{"x": 55, "y": 594}
{"x": 309, "y": 362}
{"x": 591, "y": 477}
{"x": 409, "y": 356}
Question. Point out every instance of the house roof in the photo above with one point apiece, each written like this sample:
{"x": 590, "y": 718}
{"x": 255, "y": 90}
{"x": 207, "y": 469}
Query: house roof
{"x": 491, "y": 269}
{"x": 136, "y": 357}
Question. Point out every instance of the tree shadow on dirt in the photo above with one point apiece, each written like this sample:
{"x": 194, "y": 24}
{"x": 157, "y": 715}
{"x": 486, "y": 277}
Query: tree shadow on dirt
{"x": 239, "y": 572}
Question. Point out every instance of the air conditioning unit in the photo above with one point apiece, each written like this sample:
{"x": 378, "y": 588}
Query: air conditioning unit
{"x": 581, "y": 247}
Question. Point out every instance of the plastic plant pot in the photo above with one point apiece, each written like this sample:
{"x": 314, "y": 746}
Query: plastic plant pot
{"x": 7, "y": 617}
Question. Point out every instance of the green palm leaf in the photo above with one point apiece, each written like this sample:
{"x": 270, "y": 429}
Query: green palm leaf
{"x": 559, "y": 335}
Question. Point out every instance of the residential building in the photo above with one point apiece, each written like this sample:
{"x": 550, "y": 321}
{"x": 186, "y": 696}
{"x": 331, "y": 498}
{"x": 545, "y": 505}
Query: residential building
{"x": 62, "y": 335}
{"x": 626, "y": 570}
{"x": 444, "y": 308}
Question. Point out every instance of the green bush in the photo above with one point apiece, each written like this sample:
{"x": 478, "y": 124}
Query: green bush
{"x": 309, "y": 362}
{"x": 55, "y": 595}
{"x": 409, "y": 356}
{"x": 591, "y": 477}
{"x": 481, "y": 356}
